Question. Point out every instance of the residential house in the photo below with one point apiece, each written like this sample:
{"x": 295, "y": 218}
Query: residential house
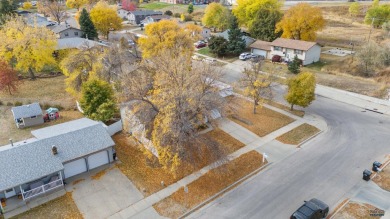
{"x": 262, "y": 48}
{"x": 27, "y": 115}
{"x": 248, "y": 40}
{"x": 135, "y": 17}
{"x": 40, "y": 165}
{"x": 77, "y": 43}
{"x": 308, "y": 52}
{"x": 66, "y": 31}
{"x": 153, "y": 19}
{"x": 206, "y": 32}
{"x": 195, "y": 2}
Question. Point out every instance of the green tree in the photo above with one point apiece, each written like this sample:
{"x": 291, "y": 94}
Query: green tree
{"x": 301, "y": 90}
{"x": 216, "y": 16}
{"x": 218, "y": 45}
{"x": 98, "y": 100}
{"x": 263, "y": 27}
{"x": 236, "y": 42}
{"x": 190, "y": 8}
{"x": 354, "y": 9}
{"x": 377, "y": 15}
{"x": 375, "y": 3}
{"x": 7, "y": 8}
{"x": 247, "y": 11}
{"x": 386, "y": 27}
{"x": 87, "y": 26}
{"x": 294, "y": 65}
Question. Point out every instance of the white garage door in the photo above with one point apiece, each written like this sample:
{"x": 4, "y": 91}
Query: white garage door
{"x": 97, "y": 159}
{"x": 75, "y": 167}
{"x": 260, "y": 52}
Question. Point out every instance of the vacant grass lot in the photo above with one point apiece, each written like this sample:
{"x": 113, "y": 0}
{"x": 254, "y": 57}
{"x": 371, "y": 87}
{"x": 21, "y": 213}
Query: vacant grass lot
{"x": 298, "y": 134}
{"x": 383, "y": 178}
{"x": 147, "y": 174}
{"x": 355, "y": 210}
{"x": 262, "y": 123}
{"x": 63, "y": 207}
{"x": 162, "y": 6}
{"x": 209, "y": 184}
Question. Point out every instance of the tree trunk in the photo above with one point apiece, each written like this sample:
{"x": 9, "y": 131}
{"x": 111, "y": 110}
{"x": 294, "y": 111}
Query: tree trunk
{"x": 9, "y": 90}
{"x": 292, "y": 107}
{"x": 255, "y": 103}
{"x": 32, "y": 75}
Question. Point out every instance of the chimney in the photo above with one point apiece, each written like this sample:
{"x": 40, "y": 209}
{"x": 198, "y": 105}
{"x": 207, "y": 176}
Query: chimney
{"x": 54, "y": 150}
{"x": 12, "y": 143}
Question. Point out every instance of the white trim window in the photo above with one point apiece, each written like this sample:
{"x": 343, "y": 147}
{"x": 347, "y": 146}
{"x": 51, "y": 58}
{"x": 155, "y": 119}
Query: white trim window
{"x": 277, "y": 48}
{"x": 298, "y": 52}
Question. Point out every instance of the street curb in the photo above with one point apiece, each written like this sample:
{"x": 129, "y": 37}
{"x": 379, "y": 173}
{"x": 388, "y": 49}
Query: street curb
{"x": 300, "y": 145}
{"x": 224, "y": 191}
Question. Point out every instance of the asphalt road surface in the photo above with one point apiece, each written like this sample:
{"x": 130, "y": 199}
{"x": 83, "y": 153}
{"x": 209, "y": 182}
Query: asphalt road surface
{"x": 329, "y": 167}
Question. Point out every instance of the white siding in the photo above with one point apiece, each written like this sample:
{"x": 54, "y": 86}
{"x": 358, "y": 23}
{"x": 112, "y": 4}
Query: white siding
{"x": 75, "y": 167}
{"x": 312, "y": 55}
{"x": 97, "y": 160}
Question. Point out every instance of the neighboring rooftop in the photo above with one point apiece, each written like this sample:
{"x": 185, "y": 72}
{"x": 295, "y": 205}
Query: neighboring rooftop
{"x": 33, "y": 160}
{"x": 25, "y": 111}
{"x": 76, "y": 43}
{"x": 293, "y": 44}
{"x": 62, "y": 27}
{"x": 146, "y": 12}
{"x": 263, "y": 45}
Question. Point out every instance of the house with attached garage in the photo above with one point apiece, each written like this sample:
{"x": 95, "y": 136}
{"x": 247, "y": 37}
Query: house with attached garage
{"x": 308, "y": 52}
{"x": 66, "y": 31}
{"x": 135, "y": 17}
{"x": 40, "y": 165}
{"x": 27, "y": 115}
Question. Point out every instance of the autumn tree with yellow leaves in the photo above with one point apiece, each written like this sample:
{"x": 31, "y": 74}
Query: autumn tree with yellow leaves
{"x": 301, "y": 22}
{"x": 30, "y": 48}
{"x": 301, "y": 89}
{"x": 216, "y": 16}
{"x": 77, "y": 4}
{"x": 105, "y": 18}
{"x": 174, "y": 96}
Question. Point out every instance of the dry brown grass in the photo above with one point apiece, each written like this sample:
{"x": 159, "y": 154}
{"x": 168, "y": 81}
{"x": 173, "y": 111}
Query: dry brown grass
{"x": 354, "y": 210}
{"x": 63, "y": 207}
{"x": 77, "y": 181}
{"x": 42, "y": 90}
{"x": 383, "y": 178}
{"x": 147, "y": 175}
{"x": 99, "y": 174}
{"x": 208, "y": 185}
{"x": 9, "y": 130}
{"x": 299, "y": 113}
{"x": 298, "y": 134}
{"x": 262, "y": 123}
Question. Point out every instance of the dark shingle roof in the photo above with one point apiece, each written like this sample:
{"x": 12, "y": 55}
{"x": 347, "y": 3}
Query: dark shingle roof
{"x": 26, "y": 111}
{"x": 146, "y": 12}
{"x": 31, "y": 161}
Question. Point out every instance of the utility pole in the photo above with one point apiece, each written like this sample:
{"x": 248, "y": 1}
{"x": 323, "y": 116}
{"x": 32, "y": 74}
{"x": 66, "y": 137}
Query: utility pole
{"x": 372, "y": 24}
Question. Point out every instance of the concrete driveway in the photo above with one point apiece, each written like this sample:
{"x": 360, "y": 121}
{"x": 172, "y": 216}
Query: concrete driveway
{"x": 103, "y": 196}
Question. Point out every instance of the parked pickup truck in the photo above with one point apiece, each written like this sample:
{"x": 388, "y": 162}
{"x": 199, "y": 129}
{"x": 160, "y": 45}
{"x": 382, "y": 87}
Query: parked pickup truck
{"x": 313, "y": 209}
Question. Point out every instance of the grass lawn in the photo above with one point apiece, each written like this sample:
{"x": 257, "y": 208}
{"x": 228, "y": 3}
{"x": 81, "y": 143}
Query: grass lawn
{"x": 357, "y": 210}
{"x": 42, "y": 90}
{"x": 383, "y": 178}
{"x": 206, "y": 51}
{"x": 298, "y": 134}
{"x": 147, "y": 175}
{"x": 262, "y": 123}
{"x": 9, "y": 130}
{"x": 299, "y": 113}
{"x": 155, "y": 5}
{"x": 63, "y": 207}
{"x": 209, "y": 184}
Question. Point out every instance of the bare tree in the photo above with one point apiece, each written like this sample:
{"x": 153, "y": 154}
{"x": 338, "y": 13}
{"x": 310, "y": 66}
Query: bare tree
{"x": 369, "y": 58}
{"x": 55, "y": 9}
{"x": 258, "y": 84}
{"x": 181, "y": 96}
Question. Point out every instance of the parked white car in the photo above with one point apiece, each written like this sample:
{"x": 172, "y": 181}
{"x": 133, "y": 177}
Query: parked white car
{"x": 244, "y": 56}
{"x": 210, "y": 61}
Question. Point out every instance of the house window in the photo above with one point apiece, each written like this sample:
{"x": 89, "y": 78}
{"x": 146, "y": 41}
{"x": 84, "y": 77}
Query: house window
{"x": 298, "y": 52}
{"x": 66, "y": 34}
{"x": 33, "y": 117}
{"x": 9, "y": 190}
{"x": 76, "y": 33}
{"x": 277, "y": 48}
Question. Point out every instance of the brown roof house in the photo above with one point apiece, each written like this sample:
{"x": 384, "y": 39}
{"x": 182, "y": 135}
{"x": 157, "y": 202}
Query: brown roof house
{"x": 262, "y": 48}
{"x": 308, "y": 52}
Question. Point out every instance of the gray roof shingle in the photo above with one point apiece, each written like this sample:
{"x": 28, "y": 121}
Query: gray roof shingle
{"x": 62, "y": 27}
{"x": 25, "y": 111}
{"x": 146, "y": 12}
{"x": 31, "y": 161}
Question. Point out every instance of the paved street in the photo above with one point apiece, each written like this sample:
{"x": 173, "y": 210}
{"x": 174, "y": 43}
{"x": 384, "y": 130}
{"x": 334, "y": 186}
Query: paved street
{"x": 328, "y": 167}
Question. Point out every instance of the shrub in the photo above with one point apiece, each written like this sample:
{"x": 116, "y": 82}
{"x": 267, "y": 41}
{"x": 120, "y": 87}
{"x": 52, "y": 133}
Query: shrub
{"x": 18, "y": 103}
{"x": 276, "y": 58}
{"x": 177, "y": 15}
{"x": 187, "y": 17}
{"x": 59, "y": 107}
{"x": 1, "y": 103}
{"x": 168, "y": 12}
{"x": 27, "y": 5}
{"x": 9, "y": 104}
